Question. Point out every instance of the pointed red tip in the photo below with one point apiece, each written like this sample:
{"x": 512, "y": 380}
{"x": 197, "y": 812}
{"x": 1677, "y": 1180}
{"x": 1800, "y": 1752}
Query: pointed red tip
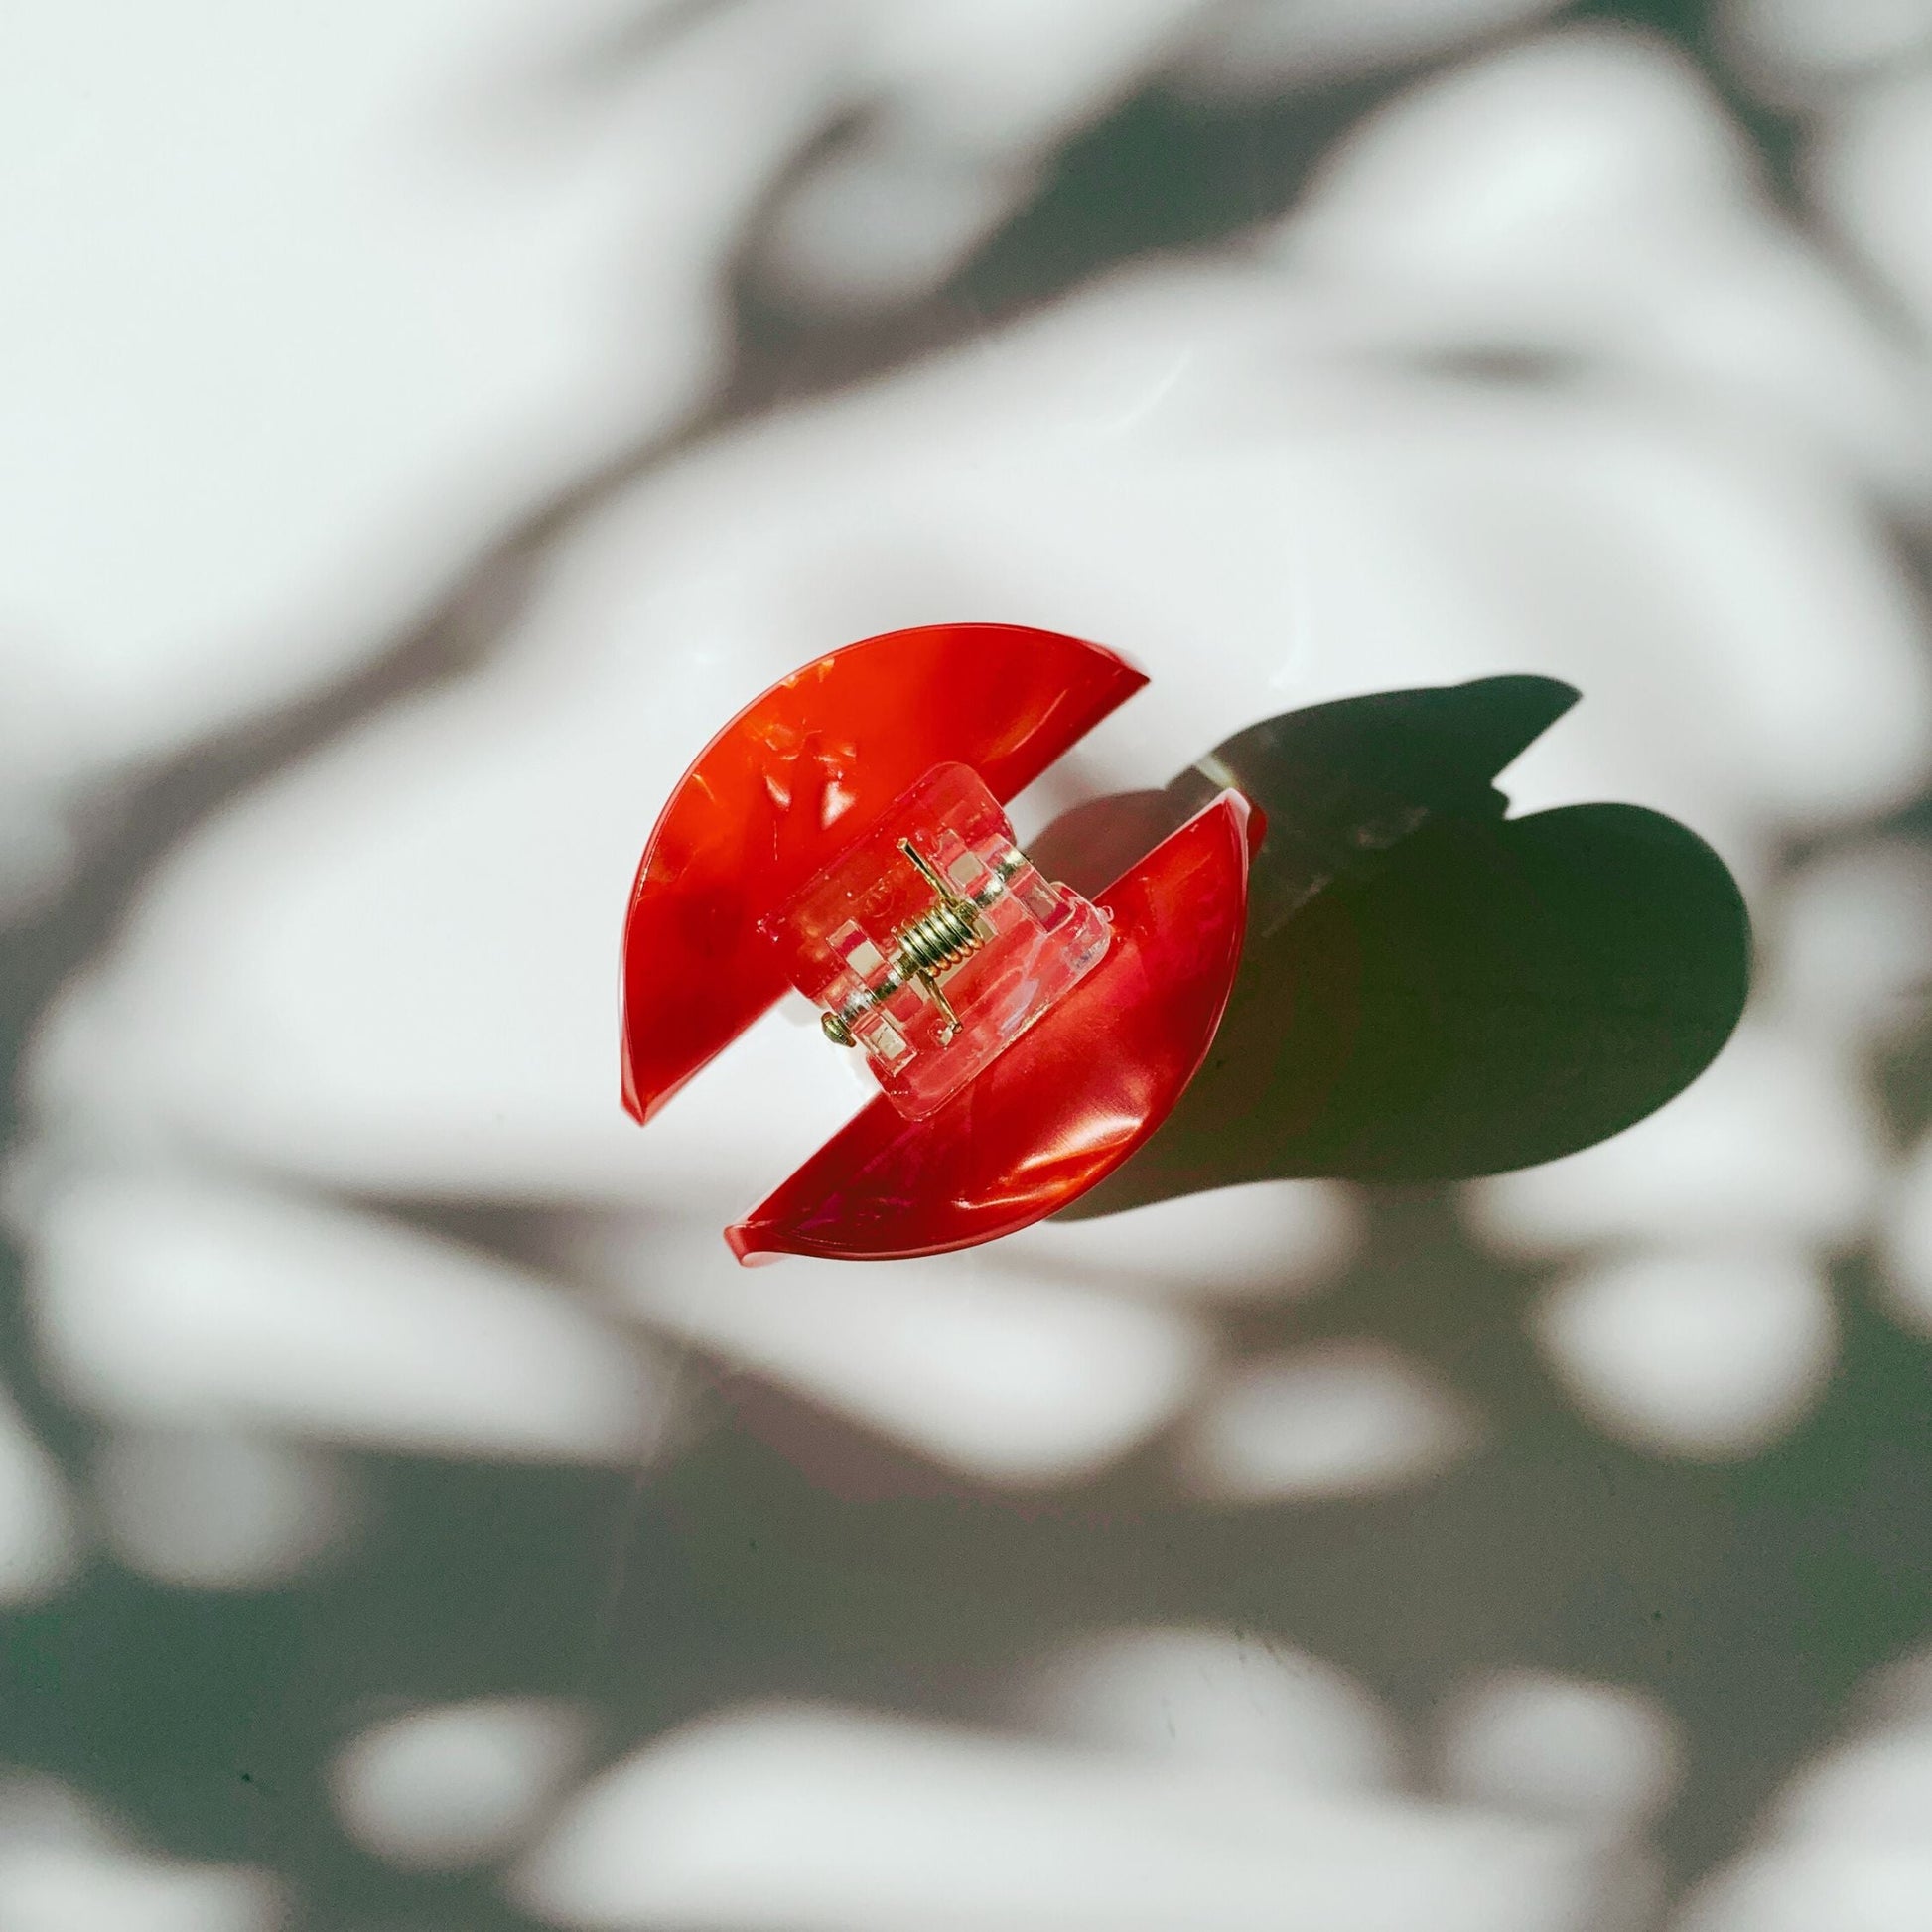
{"x": 748, "y": 1241}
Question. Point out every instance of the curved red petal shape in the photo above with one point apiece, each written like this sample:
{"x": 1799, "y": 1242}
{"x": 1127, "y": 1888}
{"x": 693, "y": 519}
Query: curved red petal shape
{"x": 798, "y": 775}
{"x": 1066, "y": 1104}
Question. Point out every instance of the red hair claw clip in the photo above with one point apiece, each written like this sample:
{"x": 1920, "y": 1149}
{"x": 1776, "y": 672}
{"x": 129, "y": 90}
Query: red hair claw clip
{"x": 844, "y": 835}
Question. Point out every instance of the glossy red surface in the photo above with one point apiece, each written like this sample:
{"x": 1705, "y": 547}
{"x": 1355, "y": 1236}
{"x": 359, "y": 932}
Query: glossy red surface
{"x": 797, "y": 776}
{"x": 1066, "y": 1104}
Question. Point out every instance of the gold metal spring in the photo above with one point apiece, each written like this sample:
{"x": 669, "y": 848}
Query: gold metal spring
{"x": 931, "y": 944}
{"x": 943, "y": 937}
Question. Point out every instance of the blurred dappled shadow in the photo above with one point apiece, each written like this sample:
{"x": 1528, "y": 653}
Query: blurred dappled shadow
{"x": 1434, "y": 990}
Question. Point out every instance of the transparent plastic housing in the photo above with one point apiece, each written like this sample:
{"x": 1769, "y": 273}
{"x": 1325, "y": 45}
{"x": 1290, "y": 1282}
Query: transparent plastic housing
{"x": 931, "y": 982}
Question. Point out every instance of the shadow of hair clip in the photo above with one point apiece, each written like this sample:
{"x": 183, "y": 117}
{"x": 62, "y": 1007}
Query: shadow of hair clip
{"x": 1429, "y": 990}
